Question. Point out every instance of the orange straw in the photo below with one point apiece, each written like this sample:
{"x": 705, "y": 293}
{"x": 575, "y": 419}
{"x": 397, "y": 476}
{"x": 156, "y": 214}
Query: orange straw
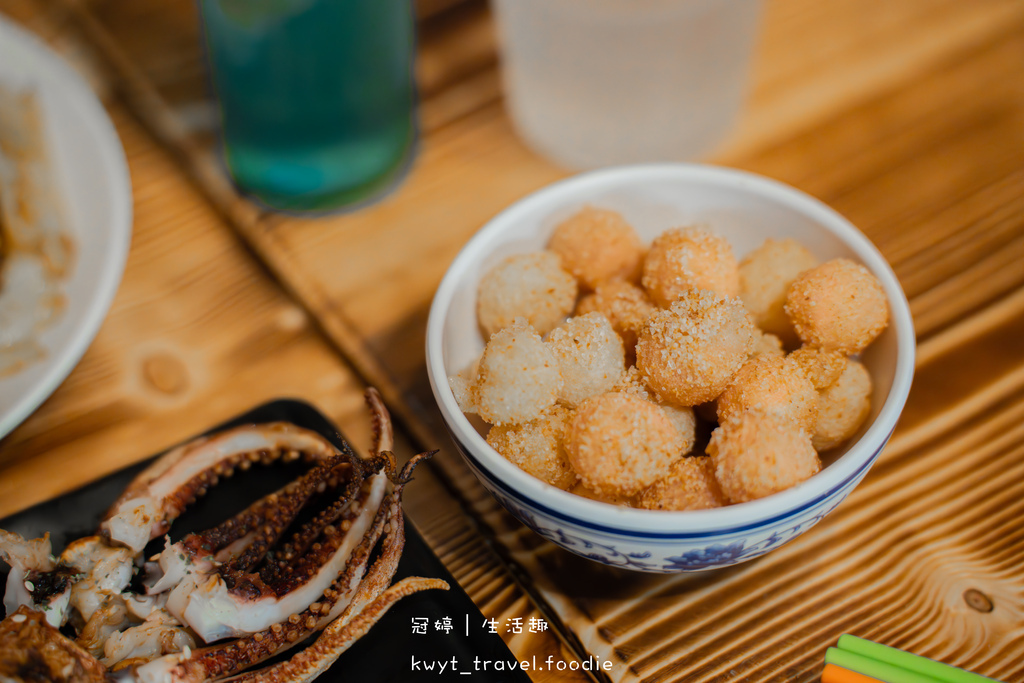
{"x": 837, "y": 674}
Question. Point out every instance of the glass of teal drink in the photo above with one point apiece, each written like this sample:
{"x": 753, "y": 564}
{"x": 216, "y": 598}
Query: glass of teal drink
{"x": 316, "y": 97}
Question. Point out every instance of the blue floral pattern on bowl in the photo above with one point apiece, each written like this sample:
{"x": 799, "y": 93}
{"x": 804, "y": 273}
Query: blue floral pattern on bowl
{"x": 670, "y": 554}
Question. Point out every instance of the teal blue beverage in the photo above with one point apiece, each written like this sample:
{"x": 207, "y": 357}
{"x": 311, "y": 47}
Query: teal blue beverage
{"x": 316, "y": 97}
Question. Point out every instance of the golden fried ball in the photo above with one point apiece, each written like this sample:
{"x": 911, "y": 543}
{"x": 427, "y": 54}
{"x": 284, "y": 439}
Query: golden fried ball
{"x": 590, "y": 356}
{"x": 538, "y": 447}
{"x": 597, "y": 245}
{"x": 821, "y": 366}
{"x": 689, "y": 353}
{"x": 842, "y": 407}
{"x": 683, "y": 419}
{"x": 770, "y": 384}
{"x": 462, "y": 386}
{"x": 758, "y": 454}
{"x": 620, "y": 444}
{"x": 765, "y": 276}
{"x": 518, "y": 376}
{"x": 766, "y": 344}
{"x": 839, "y": 305}
{"x": 624, "y": 304}
{"x": 581, "y": 490}
{"x": 532, "y": 286}
{"x": 689, "y": 258}
{"x": 689, "y": 485}
{"x": 462, "y": 389}
{"x": 685, "y": 422}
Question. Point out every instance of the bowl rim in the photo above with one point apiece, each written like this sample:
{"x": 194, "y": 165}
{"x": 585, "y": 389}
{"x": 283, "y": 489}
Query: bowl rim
{"x": 690, "y": 523}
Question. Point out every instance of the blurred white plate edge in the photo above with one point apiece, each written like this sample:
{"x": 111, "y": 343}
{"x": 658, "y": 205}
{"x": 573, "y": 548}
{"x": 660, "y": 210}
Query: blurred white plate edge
{"x": 92, "y": 175}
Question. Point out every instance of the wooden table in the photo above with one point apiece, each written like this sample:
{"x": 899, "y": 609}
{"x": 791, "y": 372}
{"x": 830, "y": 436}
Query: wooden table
{"x": 905, "y": 115}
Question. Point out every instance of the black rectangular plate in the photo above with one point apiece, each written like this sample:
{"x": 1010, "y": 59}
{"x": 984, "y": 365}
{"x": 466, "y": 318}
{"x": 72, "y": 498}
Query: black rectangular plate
{"x": 388, "y": 651}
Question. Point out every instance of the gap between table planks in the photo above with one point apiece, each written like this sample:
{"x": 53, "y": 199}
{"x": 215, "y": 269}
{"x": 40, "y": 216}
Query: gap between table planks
{"x": 905, "y": 116}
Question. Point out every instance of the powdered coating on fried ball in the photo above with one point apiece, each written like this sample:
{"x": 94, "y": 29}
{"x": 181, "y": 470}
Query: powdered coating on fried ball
{"x": 689, "y": 485}
{"x": 766, "y": 344}
{"x": 597, "y": 245}
{"x": 625, "y": 305}
{"x": 770, "y": 384}
{"x": 683, "y": 419}
{"x": 620, "y": 444}
{"x": 518, "y": 376}
{"x": 839, "y": 305}
{"x": 843, "y": 407}
{"x": 689, "y": 258}
{"x": 758, "y": 454}
{"x": 532, "y": 286}
{"x": 765, "y": 276}
{"x": 538, "y": 447}
{"x": 821, "y": 366}
{"x": 689, "y": 353}
{"x": 590, "y": 356}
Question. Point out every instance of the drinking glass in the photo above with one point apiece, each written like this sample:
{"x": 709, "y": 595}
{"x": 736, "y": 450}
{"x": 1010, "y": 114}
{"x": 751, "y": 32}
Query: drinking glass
{"x": 316, "y": 97}
{"x": 597, "y": 82}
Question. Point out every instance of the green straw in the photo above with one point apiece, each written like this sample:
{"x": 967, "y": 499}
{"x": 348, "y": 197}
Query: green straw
{"x": 874, "y": 668}
{"x": 905, "y": 660}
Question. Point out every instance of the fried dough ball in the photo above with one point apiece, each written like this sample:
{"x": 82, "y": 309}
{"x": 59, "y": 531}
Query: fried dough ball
{"x": 842, "y": 407}
{"x": 581, "y": 490}
{"x": 590, "y": 356}
{"x": 538, "y": 447}
{"x": 632, "y": 383}
{"x": 597, "y": 245}
{"x": 839, "y": 305}
{"x": 683, "y": 419}
{"x": 766, "y": 344}
{"x": 765, "y": 276}
{"x": 758, "y": 454}
{"x": 770, "y": 384}
{"x": 624, "y": 304}
{"x": 821, "y": 366}
{"x": 462, "y": 386}
{"x": 689, "y": 258}
{"x": 619, "y": 444}
{"x": 689, "y": 353}
{"x": 533, "y": 286}
{"x": 689, "y": 485}
{"x": 518, "y": 376}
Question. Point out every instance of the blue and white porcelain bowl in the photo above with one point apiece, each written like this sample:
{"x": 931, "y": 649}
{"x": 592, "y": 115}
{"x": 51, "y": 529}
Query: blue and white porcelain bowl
{"x": 746, "y": 209}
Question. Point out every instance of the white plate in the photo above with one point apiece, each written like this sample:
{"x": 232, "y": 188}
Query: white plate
{"x": 93, "y": 181}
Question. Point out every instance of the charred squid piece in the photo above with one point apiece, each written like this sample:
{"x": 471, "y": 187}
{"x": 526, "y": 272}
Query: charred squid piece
{"x": 349, "y": 594}
{"x": 292, "y": 561}
{"x": 31, "y": 649}
{"x": 161, "y": 492}
{"x": 229, "y": 601}
{"x": 35, "y": 580}
{"x": 338, "y": 637}
{"x": 286, "y": 508}
{"x": 292, "y": 564}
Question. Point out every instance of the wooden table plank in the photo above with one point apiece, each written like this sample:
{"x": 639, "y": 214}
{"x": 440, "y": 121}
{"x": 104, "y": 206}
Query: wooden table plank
{"x": 906, "y": 116}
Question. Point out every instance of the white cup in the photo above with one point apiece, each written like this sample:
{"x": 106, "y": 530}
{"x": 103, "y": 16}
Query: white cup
{"x": 593, "y": 83}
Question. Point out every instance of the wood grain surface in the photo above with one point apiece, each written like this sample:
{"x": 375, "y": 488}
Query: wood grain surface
{"x": 907, "y": 116}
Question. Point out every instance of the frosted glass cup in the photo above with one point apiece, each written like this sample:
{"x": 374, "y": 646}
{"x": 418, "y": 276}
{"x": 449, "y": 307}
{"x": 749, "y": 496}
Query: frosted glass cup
{"x": 593, "y": 83}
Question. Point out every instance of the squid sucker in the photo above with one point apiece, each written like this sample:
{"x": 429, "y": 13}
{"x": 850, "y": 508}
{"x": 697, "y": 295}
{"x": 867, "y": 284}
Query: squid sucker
{"x": 314, "y": 558}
